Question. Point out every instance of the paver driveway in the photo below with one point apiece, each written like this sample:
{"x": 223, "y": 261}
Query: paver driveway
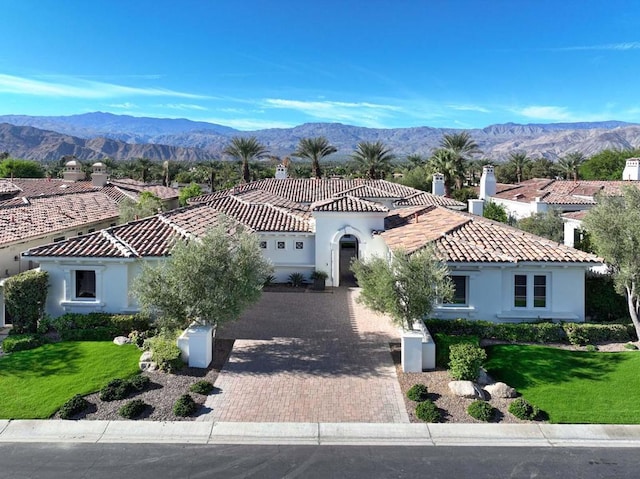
{"x": 309, "y": 357}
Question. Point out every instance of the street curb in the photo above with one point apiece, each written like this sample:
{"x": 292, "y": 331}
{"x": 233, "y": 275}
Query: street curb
{"x": 363, "y": 434}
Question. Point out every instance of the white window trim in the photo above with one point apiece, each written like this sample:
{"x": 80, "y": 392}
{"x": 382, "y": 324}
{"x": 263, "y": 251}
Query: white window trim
{"x": 70, "y": 298}
{"x": 530, "y": 291}
{"x": 461, "y": 306}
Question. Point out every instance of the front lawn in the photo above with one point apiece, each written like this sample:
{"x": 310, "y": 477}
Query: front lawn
{"x": 35, "y": 383}
{"x": 572, "y": 386}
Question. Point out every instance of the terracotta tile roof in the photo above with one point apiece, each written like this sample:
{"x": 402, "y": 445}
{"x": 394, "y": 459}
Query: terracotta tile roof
{"x": 8, "y": 188}
{"x": 349, "y": 204}
{"x": 162, "y": 192}
{"x": 35, "y": 187}
{"x": 46, "y": 215}
{"x": 459, "y": 237}
{"x": 422, "y": 198}
{"x": 559, "y": 192}
{"x": 368, "y": 191}
{"x": 576, "y": 215}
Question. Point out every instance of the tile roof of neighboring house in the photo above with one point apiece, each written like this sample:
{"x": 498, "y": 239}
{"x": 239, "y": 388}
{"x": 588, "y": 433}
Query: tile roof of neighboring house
{"x": 575, "y": 215}
{"x": 311, "y": 190}
{"x": 460, "y": 237}
{"x": 35, "y": 187}
{"x": 162, "y": 192}
{"x": 561, "y": 192}
{"x": 7, "y": 187}
{"x": 348, "y": 204}
{"x": 422, "y": 198}
{"x": 46, "y": 215}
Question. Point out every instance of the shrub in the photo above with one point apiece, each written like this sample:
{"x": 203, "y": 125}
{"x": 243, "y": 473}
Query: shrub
{"x": 592, "y": 348}
{"x": 165, "y": 352}
{"x": 631, "y": 347}
{"x": 20, "y": 342}
{"x": 580, "y": 334}
{"x": 318, "y": 274}
{"x": 25, "y": 295}
{"x": 201, "y": 387}
{"x": 296, "y": 279}
{"x": 418, "y": 393}
{"x": 97, "y": 326}
{"x": 481, "y": 410}
{"x": 602, "y": 301}
{"x": 444, "y": 343}
{"x": 185, "y": 406}
{"x": 139, "y": 382}
{"x": 133, "y": 409}
{"x": 427, "y": 411}
{"x": 269, "y": 280}
{"x": 73, "y": 406}
{"x": 466, "y": 360}
{"x": 115, "y": 390}
{"x": 522, "y": 409}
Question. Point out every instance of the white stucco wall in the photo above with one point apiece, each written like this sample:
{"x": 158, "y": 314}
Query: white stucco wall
{"x": 490, "y": 293}
{"x": 289, "y": 259}
{"x": 330, "y": 227}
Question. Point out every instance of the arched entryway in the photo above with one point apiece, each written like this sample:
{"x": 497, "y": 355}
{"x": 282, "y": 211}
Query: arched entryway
{"x": 349, "y": 249}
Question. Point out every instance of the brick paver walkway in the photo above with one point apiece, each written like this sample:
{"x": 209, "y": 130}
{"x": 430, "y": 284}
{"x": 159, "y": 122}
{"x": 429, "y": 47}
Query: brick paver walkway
{"x": 309, "y": 357}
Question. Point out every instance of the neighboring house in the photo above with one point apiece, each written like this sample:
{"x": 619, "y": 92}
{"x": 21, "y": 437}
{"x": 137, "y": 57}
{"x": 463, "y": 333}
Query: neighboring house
{"x": 500, "y": 273}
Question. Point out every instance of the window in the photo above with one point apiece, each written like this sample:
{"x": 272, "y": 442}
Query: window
{"x": 460, "y": 290}
{"x": 263, "y": 244}
{"x": 85, "y": 284}
{"x": 280, "y": 244}
{"x": 91, "y": 230}
{"x": 299, "y": 245}
{"x": 530, "y": 291}
{"x": 520, "y": 291}
{"x": 58, "y": 239}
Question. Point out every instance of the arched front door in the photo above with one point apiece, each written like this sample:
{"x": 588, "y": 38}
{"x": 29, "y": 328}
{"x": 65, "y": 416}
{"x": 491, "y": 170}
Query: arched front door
{"x": 349, "y": 250}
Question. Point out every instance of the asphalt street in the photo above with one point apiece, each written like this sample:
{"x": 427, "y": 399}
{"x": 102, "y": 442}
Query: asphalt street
{"x": 155, "y": 461}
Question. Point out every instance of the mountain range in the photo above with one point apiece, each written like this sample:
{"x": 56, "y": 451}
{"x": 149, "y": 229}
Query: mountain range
{"x": 93, "y": 136}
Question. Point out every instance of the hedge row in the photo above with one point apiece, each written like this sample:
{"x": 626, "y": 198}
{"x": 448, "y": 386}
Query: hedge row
{"x": 574, "y": 333}
{"x": 97, "y": 326}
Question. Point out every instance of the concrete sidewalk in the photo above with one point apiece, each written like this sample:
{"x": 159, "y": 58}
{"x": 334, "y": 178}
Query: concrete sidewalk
{"x": 373, "y": 434}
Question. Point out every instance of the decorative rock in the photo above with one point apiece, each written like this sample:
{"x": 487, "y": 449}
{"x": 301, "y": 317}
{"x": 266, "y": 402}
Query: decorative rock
{"x": 484, "y": 378}
{"x": 466, "y": 389}
{"x": 120, "y": 340}
{"x": 501, "y": 390}
{"x": 145, "y": 363}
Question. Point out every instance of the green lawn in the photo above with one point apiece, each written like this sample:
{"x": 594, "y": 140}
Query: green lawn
{"x": 35, "y": 383}
{"x": 572, "y": 386}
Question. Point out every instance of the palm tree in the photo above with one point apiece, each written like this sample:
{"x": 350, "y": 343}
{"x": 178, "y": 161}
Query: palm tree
{"x": 314, "y": 149}
{"x": 245, "y": 150}
{"x": 461, "y": 146}
{"x": 143, "y": 166}
{"x": 374, "y": 158}
{"x": 519, "y": 160}
{"x": 570, "y": 164}
{"x": 442, "y": 161}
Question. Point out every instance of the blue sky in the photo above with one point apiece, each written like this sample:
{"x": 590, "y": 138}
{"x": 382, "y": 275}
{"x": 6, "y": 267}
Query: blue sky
{"x": 261, "y": 64}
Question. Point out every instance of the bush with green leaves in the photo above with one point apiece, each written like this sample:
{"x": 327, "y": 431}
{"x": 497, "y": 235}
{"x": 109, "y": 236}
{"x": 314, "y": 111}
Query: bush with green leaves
{"x": 418, "y": 393}
{"x": 185, "y": 406}
{"x": 73, "y": 406}
{"x": 522, "y": 409}
{"x": 97, "y": 326}
{"x": 139, "y": 382}
{"x": 481, "y": 410}
{"x": 21, "y": 342}
{"x": 444, "y": 343}
{"x": 427, "y": 411}
{"x": 631, "y": 347}
{"x": 580, "y": 334}
{"x": 115, "y": 390}
{"x": 465, "y": 361}
{"x": 201, "y": 387}
{"x": 133, "y": 409}
{"x": 601, "y": 300}
{"x": 25, "y": 295}
{"x": 165, "y": 352}
{"x": 296, "y": 279}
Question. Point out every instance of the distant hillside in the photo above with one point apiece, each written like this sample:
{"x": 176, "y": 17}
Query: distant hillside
{"x": 95, "y": 135}
{"x": 42, "y": 145}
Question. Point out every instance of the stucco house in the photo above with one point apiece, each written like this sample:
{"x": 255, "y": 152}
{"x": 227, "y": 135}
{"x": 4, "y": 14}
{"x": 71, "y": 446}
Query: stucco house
{"x": 500, "y": 273}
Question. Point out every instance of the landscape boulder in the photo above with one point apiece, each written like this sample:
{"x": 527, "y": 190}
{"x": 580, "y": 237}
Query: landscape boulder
{"x": 120, "y": 340}
{"x": 466, "y": 389}
{"x": 501, "y": 390}
{"x": 146, "y": 363}
{"x": 484, "y": 378}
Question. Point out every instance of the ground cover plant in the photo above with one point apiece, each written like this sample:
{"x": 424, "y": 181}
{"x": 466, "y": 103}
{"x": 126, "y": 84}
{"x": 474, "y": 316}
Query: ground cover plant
{"x": 571, "y": 386}
{"x": 34, "y": 384}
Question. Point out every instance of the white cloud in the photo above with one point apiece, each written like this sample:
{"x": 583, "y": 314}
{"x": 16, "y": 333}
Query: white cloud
{"x": 183, "y": 106}
{"x": 553, "y": 113}
{"x": 80, "y": 88}
{"x": 464, "y": 107}
{"x": 124, "y": 106}
{"x": 249, "y": 123}
{"x": 624, "y": 46}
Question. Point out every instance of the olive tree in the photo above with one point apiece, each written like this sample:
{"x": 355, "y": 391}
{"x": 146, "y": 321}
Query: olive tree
{"x": 208, "y": 280}
{"x": 406, "y": 287}
{"x": 614, "y": 229}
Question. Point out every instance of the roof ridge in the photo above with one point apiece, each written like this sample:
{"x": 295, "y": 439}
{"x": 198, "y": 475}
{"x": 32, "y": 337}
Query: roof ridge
{"x": 181, "y": 231}
{"x": 119, "y": 244}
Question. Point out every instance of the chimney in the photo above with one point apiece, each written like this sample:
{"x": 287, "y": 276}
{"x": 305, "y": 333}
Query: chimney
{"x": 476, "y": 207}
{"x": 487, "y": 182}
{"x": 437, "y": 187}
{"x": 73, "y": 171}
{"x": 281, "y": 172}
{"x": 538, "y": 206}
{"x": 631, "y": 170}
{"x": 99, "y": 175}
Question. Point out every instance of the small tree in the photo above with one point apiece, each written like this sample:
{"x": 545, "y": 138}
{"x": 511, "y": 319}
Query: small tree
{"x": 496, "y": 212}
{"x": 187, "y": 192}
{"x": 148, "y": 204}
{"x": 25, "y": 296}
{"x": 407, "y": 287}
{"x": 548, "y": 225}
{"x": 614, "y": 229}
{"x": 209, "y": 280}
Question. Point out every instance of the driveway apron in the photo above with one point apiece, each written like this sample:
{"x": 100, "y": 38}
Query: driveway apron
{"x": 308, "y": 357}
